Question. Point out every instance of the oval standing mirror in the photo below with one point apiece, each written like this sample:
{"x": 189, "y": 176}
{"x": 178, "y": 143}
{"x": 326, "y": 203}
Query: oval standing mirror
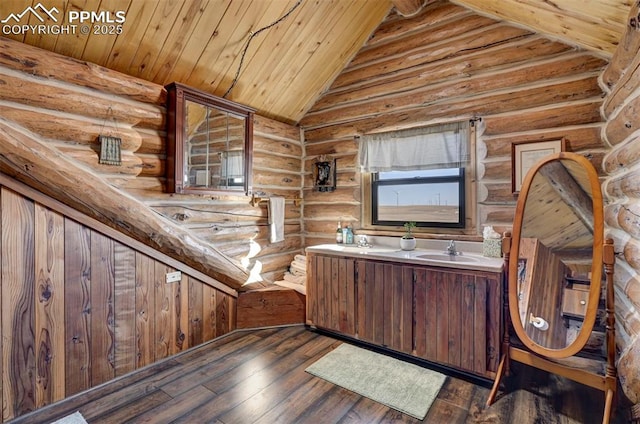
{"x": 555, "y": 269}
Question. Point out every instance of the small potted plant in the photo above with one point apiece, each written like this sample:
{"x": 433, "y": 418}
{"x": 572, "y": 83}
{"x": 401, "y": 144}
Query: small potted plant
{"x": 408, "y": 241}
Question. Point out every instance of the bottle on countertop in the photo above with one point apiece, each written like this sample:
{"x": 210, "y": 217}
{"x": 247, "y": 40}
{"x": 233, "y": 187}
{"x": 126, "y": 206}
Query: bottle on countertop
{"x": 339, "y": 238}
{"x": 349, "y": 239}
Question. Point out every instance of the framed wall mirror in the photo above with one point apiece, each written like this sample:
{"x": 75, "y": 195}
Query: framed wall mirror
{"x": 556, "y": 258}
{"x": 210, "y": 145}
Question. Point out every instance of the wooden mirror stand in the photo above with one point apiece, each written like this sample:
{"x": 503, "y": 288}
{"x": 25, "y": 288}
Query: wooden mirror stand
{"x": 594, "y": 369}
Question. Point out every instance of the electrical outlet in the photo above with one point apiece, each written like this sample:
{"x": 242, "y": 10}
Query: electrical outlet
{"x": 172, "y": 277}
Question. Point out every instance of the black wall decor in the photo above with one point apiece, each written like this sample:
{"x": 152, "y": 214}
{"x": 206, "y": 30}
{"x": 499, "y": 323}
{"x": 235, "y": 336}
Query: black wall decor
{"x": 324, "y": 175}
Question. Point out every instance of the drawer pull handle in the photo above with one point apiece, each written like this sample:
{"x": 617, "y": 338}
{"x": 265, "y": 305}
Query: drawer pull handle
{"x": 583, "y": 302}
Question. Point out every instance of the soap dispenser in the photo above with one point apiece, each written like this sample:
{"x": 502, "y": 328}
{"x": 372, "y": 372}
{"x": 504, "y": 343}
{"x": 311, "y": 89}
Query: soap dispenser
{"x": 349, "y": 239}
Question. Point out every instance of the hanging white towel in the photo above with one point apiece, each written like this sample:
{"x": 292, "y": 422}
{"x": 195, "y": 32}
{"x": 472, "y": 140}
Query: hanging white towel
{"x": 276, "y": 218}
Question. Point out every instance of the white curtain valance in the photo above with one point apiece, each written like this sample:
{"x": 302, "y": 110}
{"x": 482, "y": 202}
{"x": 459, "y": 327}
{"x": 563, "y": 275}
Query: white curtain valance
{"x": 435, "y": 147}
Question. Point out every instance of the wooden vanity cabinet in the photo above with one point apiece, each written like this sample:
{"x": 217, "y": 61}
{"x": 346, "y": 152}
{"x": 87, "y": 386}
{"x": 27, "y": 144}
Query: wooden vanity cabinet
{"x": 384, "y": 304}
{"x": 446, "y": 316}
{"x": 331, "y": 294}
{"x": 458, "y": 318}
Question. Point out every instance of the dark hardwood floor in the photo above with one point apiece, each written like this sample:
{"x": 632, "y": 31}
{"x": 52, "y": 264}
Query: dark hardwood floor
{"x": 259, "y": 377}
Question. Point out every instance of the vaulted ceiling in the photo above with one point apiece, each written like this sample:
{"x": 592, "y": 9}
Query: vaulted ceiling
{"x": 285, "y": 68}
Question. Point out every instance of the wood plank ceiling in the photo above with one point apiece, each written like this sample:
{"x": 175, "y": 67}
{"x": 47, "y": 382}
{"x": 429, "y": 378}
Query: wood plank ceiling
{"x": 287, "y": 67}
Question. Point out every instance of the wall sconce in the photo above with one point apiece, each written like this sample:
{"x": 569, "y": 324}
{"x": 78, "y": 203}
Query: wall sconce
{"x": 324, "y": 174}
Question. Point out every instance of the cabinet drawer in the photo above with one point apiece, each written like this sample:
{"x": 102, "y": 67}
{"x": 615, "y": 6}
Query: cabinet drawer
{"x": 574, "y": 303}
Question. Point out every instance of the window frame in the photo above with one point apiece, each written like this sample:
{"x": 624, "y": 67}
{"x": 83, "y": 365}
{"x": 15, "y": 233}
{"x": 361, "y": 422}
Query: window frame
{"x": 459, "y": 178}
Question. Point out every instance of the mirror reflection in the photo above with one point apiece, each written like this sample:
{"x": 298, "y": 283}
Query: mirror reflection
{"x": 557, "y": 274}
{"x": 214, "y": 149}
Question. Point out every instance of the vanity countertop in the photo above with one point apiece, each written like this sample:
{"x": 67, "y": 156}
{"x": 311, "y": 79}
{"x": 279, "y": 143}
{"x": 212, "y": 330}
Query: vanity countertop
{"x": 428, "y": 252}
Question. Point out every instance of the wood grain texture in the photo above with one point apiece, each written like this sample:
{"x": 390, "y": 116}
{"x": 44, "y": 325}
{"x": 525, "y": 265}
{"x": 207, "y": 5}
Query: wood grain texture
{"x": 621, "y": 79}
{"x": 18, "y": 281}
{"x": 270, "y": 307}
{"x": 80, "y": 308}
{"x": 77, "y": 317}
{"x": 49, "y": 309}
{"x": 124, "y": 309}
{"x": 228, "y": 368}
{"x": 451, "y": 318}
{"x": 35, "y": 98}
{"x": 102, "y": 310}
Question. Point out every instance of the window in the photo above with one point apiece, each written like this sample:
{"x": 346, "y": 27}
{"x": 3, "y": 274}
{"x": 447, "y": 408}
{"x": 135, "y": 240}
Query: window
{"x": 417, "y": 175}
{"x": 431, "y": 198}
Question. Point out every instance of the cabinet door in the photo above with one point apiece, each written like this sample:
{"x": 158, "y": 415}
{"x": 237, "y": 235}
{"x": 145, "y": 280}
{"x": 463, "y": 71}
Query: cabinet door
{"x": 385, "y": 305}
{"x": 331, "y": 293}
{"x": 451, "y": 319}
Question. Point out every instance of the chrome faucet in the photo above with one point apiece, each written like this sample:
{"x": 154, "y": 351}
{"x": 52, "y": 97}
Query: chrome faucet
{"x": 363, "y": 241}
{"x": 451, "y": 249}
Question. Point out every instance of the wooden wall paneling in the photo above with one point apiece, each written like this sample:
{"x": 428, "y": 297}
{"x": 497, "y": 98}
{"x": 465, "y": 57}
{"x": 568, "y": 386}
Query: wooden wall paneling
{"x": 226, "y": 317}
{"x": 77, "y": 317}
{"x": 209, "y": 312}
{"x": 18, "y": 306}
{"x": 80, "y": 308}
{"x": 145, "y": 310}
{"x": 165, "y": 318}
{"x": 182, "y": 313}
{"x": 102, "y": 337}
{"x": 195, "y": 313}
{"x": 124, "y": 309}
{"x": 49, "y": 306}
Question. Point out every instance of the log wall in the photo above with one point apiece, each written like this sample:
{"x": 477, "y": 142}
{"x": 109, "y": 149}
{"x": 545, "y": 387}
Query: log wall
{"x": 621, "y": 81}
{"x": 80, "y": 307}
{"x": 69, "y": 103}
{"x": 447, "y": 63}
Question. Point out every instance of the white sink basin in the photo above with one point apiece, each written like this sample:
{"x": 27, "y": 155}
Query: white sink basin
{"x": 442, "y": 257}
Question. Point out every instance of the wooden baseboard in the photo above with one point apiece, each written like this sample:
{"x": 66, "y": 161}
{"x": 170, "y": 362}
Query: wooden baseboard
{"x": 271, "y": 306}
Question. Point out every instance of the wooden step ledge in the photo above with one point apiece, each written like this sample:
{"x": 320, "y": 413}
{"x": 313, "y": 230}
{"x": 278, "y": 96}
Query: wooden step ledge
{"x": 270, "y": 306}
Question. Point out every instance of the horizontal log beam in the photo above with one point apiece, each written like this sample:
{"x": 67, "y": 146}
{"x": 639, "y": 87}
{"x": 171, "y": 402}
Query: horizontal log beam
{"x": 109, "y": 110}
{"x": 42, "y": 63}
